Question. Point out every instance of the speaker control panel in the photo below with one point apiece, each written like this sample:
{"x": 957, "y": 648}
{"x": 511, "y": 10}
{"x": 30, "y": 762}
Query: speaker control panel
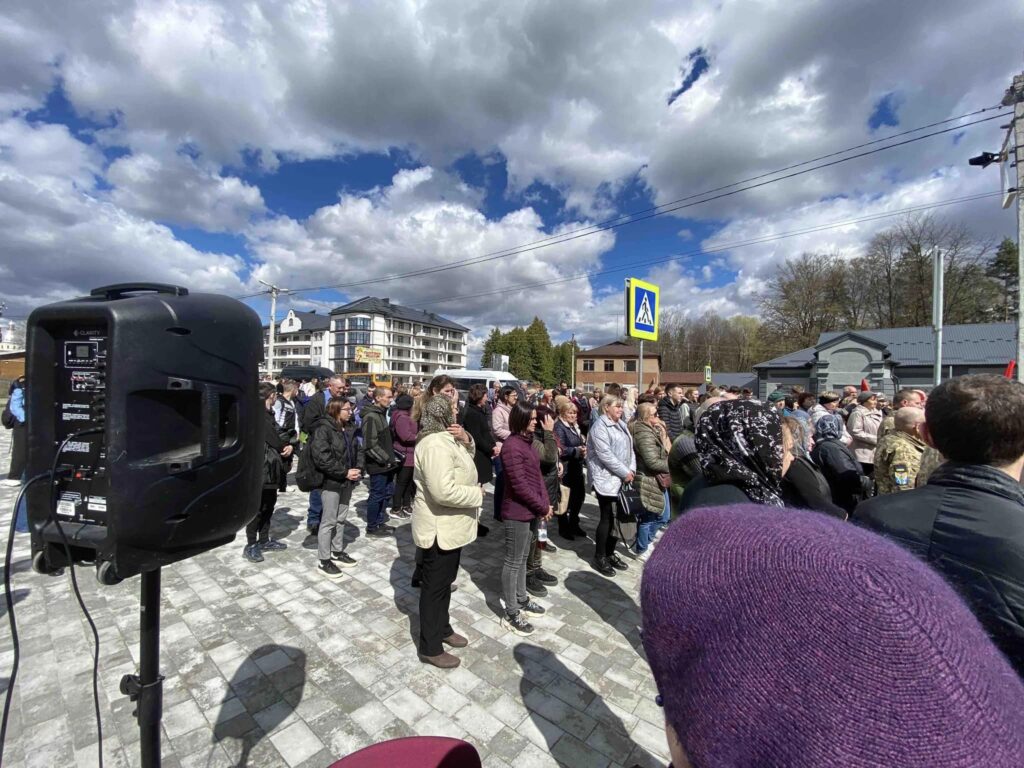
{"x": 80, "y": 404}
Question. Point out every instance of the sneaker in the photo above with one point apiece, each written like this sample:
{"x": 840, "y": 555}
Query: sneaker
{"x": 531, "y": 608}
{"x": 535, "y": 588}
{"x": 602, "y": 566}
{"x": 381, "y": 531}
{"x": 544, "y": 577}
{"x": 251, "y": 552}
{"x": 329, "y": 569}
{"x": 617, "y": 562}
{"x": 343, "y": 559}
{"x": 272, "y": 545}
{"x": 517, "y": 624}
{"x": 547, "y": 546}
{"x": 399, "y": 514}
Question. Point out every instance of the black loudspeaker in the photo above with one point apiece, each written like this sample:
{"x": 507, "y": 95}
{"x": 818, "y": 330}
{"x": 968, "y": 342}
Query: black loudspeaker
{"x": 156, "y": 389}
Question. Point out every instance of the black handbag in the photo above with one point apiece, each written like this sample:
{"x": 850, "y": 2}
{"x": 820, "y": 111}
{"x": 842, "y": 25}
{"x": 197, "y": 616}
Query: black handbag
{"x": 630, "y": 508}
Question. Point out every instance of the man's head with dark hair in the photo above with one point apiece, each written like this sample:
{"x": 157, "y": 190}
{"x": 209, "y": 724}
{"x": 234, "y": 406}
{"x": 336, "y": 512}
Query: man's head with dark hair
{"x": 734, "y": 390}
{"x": 977, "y": 419}
{"x": 790, "y": 402}
{"x": 806, "y": 401}
{"x": 746, "y": 394}
{"x": 647, "y": 397}
{"x": 266, "y": 389}
{"x": 613, "y": 389}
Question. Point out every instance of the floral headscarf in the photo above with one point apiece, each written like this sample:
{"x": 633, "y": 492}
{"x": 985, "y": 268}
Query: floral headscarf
{"x": 739, "y": 443}
{"x": 437, "y": 415}
{"x": 829, "y": 427}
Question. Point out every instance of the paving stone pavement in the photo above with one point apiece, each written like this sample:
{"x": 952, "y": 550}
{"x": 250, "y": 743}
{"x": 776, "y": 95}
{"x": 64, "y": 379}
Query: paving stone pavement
{"x": 271, "y": 664}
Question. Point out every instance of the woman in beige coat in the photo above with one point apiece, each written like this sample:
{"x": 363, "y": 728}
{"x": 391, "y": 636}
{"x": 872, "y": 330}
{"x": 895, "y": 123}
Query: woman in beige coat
{"x": 444, "y": 520}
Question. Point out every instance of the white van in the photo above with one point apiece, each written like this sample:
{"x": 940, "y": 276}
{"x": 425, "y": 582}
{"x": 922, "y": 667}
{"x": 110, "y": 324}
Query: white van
{"x": 464, "y": 378}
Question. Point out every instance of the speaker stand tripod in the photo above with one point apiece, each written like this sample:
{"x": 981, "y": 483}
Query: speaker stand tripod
{"x": 147, "y": 687}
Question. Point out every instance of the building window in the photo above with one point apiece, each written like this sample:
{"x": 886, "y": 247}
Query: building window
{"x": 357, "y": 337}
{"x": 609, "y": 365}
{"x": 588, "y": 366}
{"x": 630, "y": 366}
{"x": 359, "y": 323}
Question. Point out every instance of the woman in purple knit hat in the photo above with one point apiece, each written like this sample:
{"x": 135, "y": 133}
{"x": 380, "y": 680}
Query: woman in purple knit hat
{"x": 787, "y": 638}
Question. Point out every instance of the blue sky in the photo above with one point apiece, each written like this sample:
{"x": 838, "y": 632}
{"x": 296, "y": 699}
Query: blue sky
{"x": 145, "y": 143}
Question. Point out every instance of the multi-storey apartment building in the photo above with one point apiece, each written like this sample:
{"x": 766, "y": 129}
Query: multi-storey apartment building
{"x": 411, "y": 343}
{"x": 301, "y": 338}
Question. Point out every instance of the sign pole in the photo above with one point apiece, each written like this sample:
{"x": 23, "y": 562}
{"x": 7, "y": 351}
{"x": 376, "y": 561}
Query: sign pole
{"x": 640, "y": 371}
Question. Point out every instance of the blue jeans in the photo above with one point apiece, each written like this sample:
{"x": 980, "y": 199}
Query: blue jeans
{"x": 652, "y": 523}
{"x": 382, "y": 488}
{"x": 499, "y": 486}
{"x": 316, "y": 508}
{"x": 21, "y": 514}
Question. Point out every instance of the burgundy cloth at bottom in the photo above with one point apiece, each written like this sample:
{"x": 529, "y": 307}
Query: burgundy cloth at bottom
{"x": 787, "y": 638}
{"x": 414, "y": 752}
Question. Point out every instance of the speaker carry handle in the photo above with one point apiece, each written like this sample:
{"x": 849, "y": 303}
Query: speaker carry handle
{"x": 120, "y": 290}
{"x": 209, "y": 437}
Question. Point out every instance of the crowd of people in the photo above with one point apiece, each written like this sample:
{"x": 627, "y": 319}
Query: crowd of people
{"x": 427, "y": 453}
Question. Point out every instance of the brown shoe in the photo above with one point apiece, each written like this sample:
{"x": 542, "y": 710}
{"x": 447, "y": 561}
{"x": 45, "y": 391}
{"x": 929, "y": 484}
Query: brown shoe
{"x": 442, "y": 660}
{"x": 455, "y": 640}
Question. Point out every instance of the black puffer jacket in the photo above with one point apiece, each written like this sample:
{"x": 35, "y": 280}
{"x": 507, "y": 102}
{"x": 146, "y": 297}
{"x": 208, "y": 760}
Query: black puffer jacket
{"x": 676, "y": 417}
{"x": 967, "y": 523}
{"x": 842, "y": 471}
{"x": 273, "y": 464}
{"x": 336, "y": 451}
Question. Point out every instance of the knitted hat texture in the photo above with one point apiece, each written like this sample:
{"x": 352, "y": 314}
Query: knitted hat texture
{"x": 788, "y": 638}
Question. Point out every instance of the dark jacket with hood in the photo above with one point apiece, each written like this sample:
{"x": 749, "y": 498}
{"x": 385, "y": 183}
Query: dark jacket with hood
{"x": 314, "y": 409}
{"x": 335, "y": 451}
{"x": 379, "y": 450}
{"x": 967, "y": 523}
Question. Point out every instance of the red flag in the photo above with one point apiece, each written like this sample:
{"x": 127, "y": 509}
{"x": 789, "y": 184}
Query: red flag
{"x": 1010, "y": 367}
{"x": 864, "y": 386}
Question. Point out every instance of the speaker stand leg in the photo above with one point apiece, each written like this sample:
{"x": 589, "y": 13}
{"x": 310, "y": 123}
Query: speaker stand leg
{"x": 147, "y": 686}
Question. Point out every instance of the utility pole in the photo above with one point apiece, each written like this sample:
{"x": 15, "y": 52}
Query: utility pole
{"x": 274, "y": 291}
{"x": 1015, "y": 96}
{"x": 937, "y": 301}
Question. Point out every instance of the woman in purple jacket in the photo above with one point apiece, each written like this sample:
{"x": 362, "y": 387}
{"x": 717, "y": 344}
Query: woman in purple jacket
{"x": 403, "y": 437}
{"x": 525, "y": 501}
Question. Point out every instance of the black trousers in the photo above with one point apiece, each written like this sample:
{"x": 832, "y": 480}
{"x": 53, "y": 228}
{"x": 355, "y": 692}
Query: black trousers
{"x": 405, "y": 489}
{"x": 573, "y": 479}
{"x": 259, "y": 526}
{"x": 438, "y": 572}
{"x": 605, "y": 536}
{"x": 19, "y": 452}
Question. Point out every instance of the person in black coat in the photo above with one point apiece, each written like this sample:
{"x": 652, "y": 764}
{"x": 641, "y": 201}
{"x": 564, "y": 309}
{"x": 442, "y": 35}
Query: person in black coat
{"x": 476, "y": 420}
{"x": 337, "y": 454}
{"x": 803, "y": 485}
{"x": 839, "y": 466}
{"x": 968, "y": 520}
{"x": 257, "y": 532}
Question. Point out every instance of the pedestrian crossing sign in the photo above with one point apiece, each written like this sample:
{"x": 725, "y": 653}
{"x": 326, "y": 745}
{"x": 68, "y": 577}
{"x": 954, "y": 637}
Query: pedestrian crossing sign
{"x": 642, "y": 310}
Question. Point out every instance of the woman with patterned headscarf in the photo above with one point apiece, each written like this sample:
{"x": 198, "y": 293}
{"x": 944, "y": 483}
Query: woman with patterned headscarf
{"x": 739, "y": 443}
{"x": 838, "y": 463}
{"x": 444, "y": 519}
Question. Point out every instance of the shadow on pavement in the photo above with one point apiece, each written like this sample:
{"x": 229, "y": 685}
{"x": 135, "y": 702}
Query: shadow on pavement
{"x": 269, "y": 682}
{"x": 578, "y": 726}
{"x": 609, "y": 601}
{"x": 407, "y": 599}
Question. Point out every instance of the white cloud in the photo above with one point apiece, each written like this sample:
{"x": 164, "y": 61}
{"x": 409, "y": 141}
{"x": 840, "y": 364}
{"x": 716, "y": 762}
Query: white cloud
{"x": 402, "y": 228}
{"x": 61, "y": 240}
{"x": 177, "y": 190}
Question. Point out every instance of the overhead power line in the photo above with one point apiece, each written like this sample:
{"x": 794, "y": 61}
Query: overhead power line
{"x": 673, "y": 206}
{"x": 716, "y": 249}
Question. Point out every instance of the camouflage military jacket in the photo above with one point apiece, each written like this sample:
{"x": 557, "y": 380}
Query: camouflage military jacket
{"x": 897, "y": 461}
